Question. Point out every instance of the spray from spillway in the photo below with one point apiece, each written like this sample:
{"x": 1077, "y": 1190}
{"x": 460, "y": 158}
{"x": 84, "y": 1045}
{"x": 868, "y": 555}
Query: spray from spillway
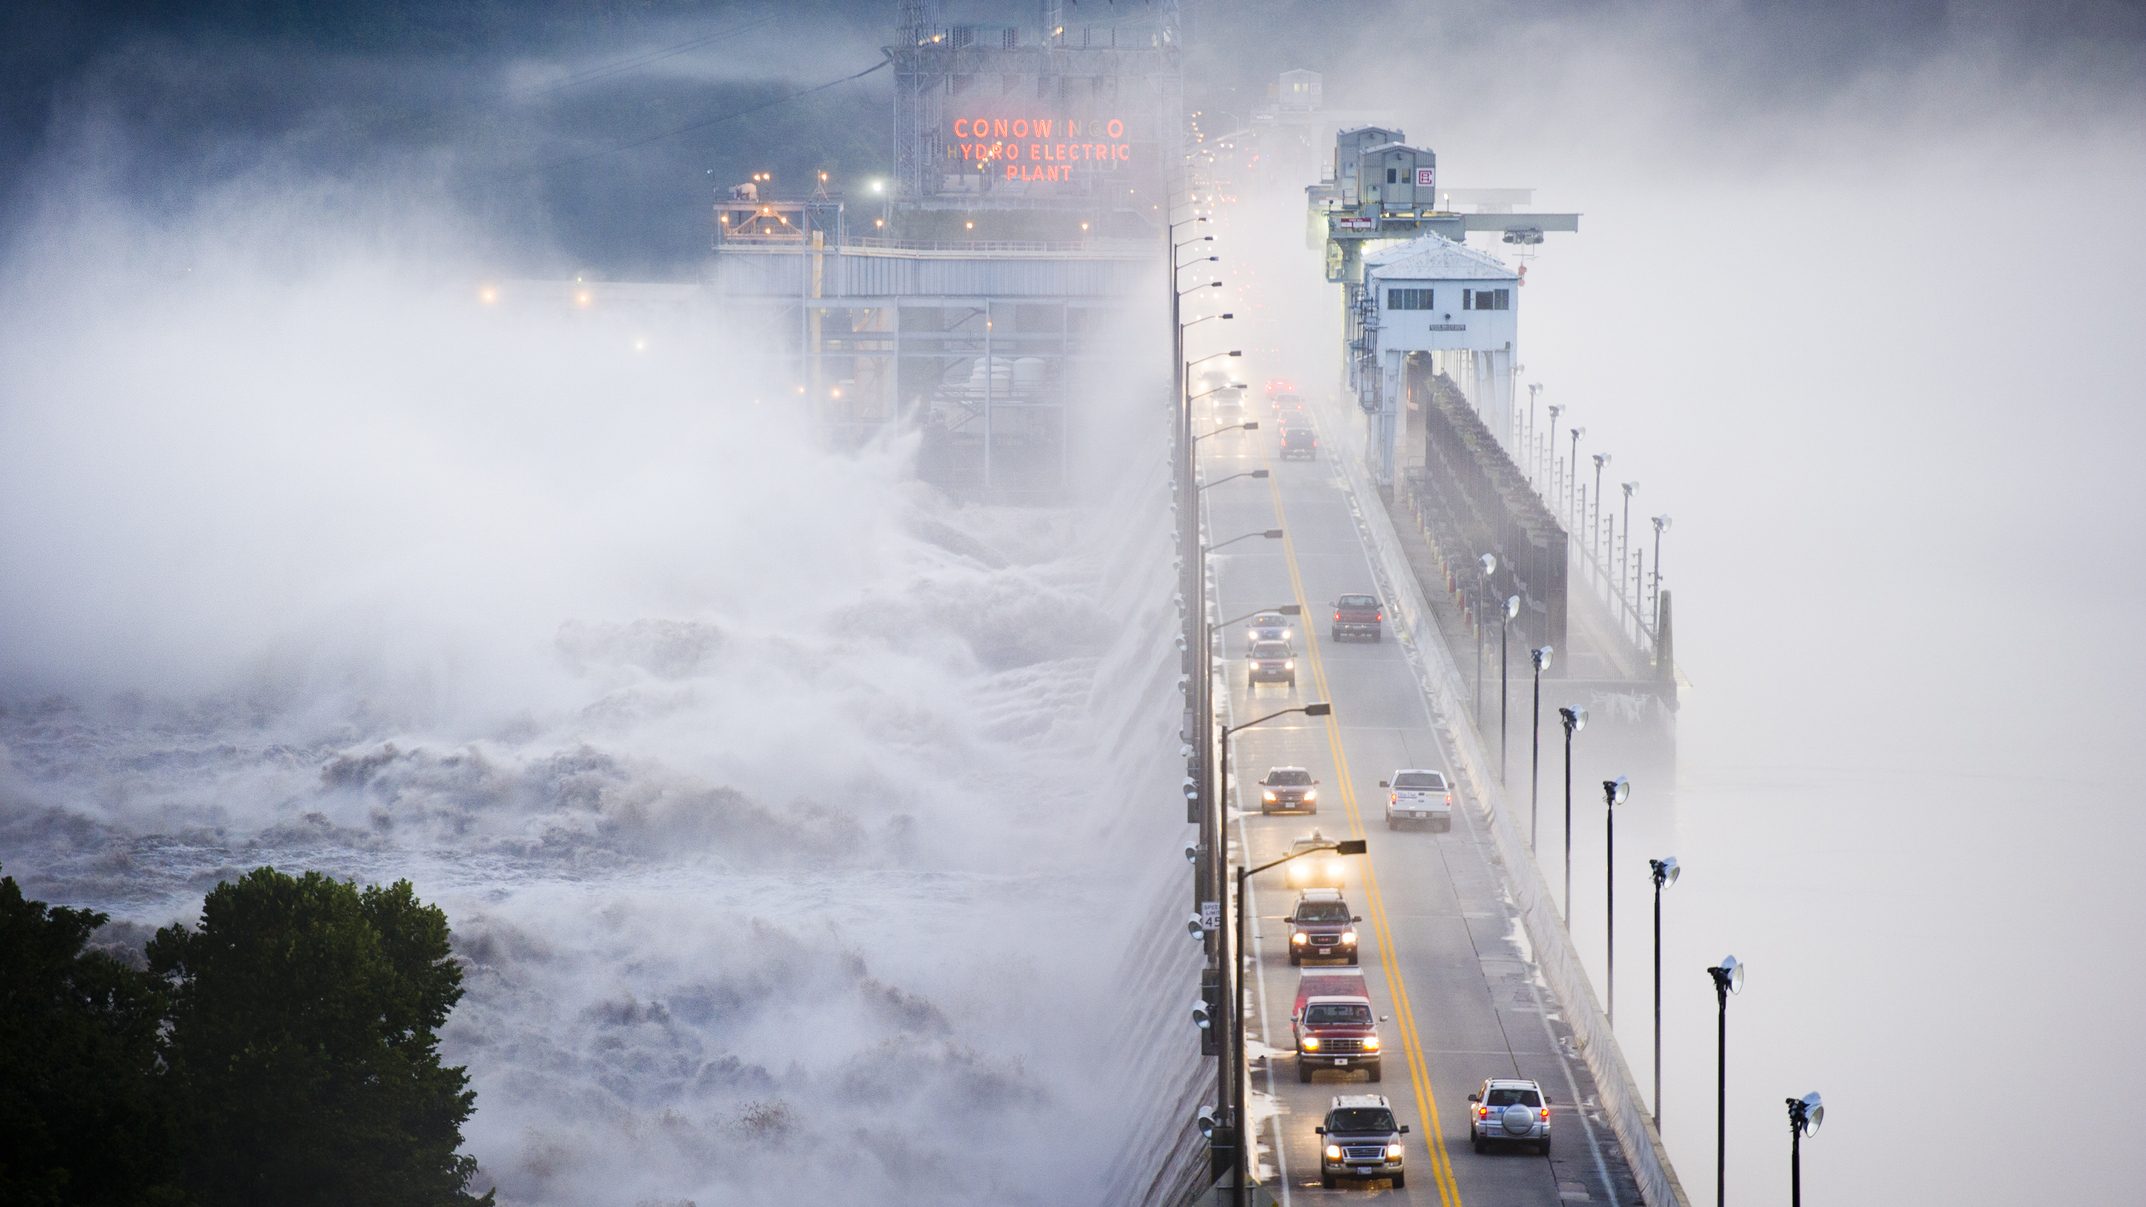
{"x": 791, "y": 819}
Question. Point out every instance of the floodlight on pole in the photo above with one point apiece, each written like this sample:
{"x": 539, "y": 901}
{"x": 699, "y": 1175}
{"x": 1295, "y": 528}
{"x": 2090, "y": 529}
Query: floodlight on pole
{"x": 1614, "y": 793}
{"x": 1575, "y": 721}
{"x": 1540, "y": 656}
{"x": 1664, "y": 873}
{"x": 1728, "y": 978}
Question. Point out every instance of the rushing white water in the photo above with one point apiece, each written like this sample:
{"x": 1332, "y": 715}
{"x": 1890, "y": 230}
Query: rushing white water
{"x": 793, "y": 822}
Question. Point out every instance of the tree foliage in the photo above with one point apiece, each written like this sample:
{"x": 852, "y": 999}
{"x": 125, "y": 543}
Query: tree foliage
{"x": 286, "y": 1051}
{"x": 81, "y": 1121}
{"x": 304, "y": 1046}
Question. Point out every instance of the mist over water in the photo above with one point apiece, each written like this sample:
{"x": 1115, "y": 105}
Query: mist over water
{"x": 781, "y": 808}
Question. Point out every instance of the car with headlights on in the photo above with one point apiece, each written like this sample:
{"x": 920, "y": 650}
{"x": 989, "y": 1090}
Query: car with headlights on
{"x": 1271, "y": 662}
{"x": 1269, "y": 626}
{"x": 1322, "y": 928}
{"x": 1361, "y": 1140}
{"x": 1509, "y": 1110}
{"x": 1318, "y": 869}
{"x": 1288, "y": 790}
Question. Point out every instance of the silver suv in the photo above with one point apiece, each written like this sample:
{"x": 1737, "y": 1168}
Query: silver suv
{"x": 1361, "y": 1140}
{"x": 1509, "y": 1110}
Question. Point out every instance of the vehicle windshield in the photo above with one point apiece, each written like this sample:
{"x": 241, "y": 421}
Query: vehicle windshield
{"x": 1360, "y": 1119}
{"x": 1512, "y": 1096}
{"x": 1337, "y": 1014}
{"x": 1419, "y": 779}
{"x": 1269, "y": 620}
{"x": 1289, "y": 777}
{"x": 1322, "y": 911}
{"x": 1270, "y": 649}
{"x": 1359, "y": 601}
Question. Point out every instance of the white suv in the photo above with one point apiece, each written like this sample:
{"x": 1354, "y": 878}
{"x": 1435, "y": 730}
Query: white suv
{"x": 1417, "y": 796}
{"x": 1509, "y": 1110}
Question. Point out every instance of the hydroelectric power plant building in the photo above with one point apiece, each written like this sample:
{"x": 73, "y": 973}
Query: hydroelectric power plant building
{"x": 962, "y": 295}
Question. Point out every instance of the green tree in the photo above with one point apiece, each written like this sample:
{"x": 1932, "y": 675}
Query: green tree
{"x": 80, "y": 1119}
{"x": 304, "y": 1046}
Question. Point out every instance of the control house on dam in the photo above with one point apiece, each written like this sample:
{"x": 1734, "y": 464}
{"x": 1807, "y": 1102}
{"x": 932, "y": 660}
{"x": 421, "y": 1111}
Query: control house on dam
{"x": 961, "y": 295}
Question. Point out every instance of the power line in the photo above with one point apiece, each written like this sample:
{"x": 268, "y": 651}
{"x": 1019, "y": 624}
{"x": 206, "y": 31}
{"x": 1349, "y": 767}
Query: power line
{"x": 620, "y": 67}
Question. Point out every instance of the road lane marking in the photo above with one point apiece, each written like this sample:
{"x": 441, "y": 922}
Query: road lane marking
{"x": 1411, "y": 1043}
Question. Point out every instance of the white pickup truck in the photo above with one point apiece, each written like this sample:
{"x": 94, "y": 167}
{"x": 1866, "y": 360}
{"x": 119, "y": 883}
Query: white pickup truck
{"x": 1417, "y": 796}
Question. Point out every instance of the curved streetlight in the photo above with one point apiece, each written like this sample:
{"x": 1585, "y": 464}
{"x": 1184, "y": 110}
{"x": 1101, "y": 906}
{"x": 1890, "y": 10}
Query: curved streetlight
{"x": 1283, "y": 609}
{"x": 1804, "y": 1116}
{"x": 1208, "y": 285}
{"x": 1614, "y": 793}
{"x": 1540, "y": 656}
{"x": 1575, "y": 721}
{"x": 1205, "y": 318}
{"x": 1664, "y": 872}
{"x": 1250, "y": 473}
{"x": 1271, "y": 534}
{"x": 1251, "y": 425}
{"x": 1728, "y": 978}
{"x": 1213, "y": 355}
{"x": 1185, "y": 264}
{"x": 1227, "y": 385}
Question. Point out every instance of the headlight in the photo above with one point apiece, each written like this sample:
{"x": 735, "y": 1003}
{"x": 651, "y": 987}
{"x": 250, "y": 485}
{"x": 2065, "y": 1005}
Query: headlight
{"x": 1298, "y": 938}
{"x": 1371, "y": 1043}
{"x": 1349, "y": 937}
{"x": 1268, "y": 795}
{"x": 1333, "y": 1152}
{"x": 1393, "y": 1151}
{"x": 1290, "y": 665}
{"x": 1311, "y": 794}
{"x": 1311, "y": 1043}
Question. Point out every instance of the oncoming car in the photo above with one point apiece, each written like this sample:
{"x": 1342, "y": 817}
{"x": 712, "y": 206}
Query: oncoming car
{"x": 1287, "y": 790}
{"x": 1360, "y": 1139}
{"x": 1322, "y": 869}
{"x": 1509, "y": 1110}
{"x": 1322, "y": 928}
{"x": 1271, "y": 662}
{"x": 1269, "y": 626}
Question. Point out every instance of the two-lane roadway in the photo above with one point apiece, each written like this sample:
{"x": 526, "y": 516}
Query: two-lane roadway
{"x": 1441, "y": 949}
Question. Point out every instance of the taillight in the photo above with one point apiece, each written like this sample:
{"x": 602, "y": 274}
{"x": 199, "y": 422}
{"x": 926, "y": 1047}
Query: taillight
{"x": 1449, "y": 800}
{"x": 1482, "y": 1112}
{"x": 1337, "y": 615}
{"x": 1546, "y": 1113}
{"x": 1381, "y": 615}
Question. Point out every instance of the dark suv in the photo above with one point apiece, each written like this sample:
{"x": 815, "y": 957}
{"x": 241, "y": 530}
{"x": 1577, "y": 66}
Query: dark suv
{"x": 1360, "y": 1139}
{"x": 1322, "y": 928}
{"x": 1298, "y": 440}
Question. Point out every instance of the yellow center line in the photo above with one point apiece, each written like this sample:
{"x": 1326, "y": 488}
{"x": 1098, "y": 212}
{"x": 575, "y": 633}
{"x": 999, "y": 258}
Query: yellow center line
{"x": 1419, "y": 1072}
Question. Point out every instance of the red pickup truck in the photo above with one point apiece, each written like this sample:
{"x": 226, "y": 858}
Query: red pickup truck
{"x": 1333, "y": 1025}
{"x": 1358, "y": 616}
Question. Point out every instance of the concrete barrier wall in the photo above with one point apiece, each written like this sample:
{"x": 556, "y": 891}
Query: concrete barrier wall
{"x": 1620, "y": 1098}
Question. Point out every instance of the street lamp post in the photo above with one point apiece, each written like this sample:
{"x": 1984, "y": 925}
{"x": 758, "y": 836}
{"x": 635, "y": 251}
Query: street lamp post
{"x": 1575, "y": 721}
{"x": 1624, "y": 555}
{"x": 1661, "y": 522}
{"x": 1534, "y": 457}
{"x": 1236, "y": 958}
{"x": 1549, "y": 450}
{"x": 1728, "y": 978}
{"x": 1250, "y": 473}
{"x": 1572, "y": 496}
{"x": 1804, "y": 1116}
{"x": 1505, "y": 634}
{"x": 1594, "y": 525}
{"x": 1665, "y": 873}
{"x": 1489, "y": 566}
{"x": 1540, "y": 655}
{"x": 1614, "y": 793}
